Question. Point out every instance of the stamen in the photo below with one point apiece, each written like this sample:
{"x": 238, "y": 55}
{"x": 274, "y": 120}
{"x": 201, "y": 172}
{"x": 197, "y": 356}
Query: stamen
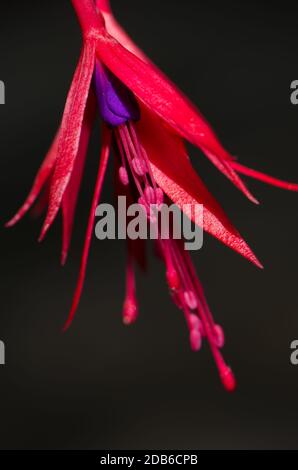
{"x": 195, "y": 332}
{"x": 130, "y": 307}
{"x": 173, "y": 279}
{"x": 176, "y": 300}
{"x": 123, "y": 176}
{"x": 159, "y": 196}
{"x": 142, "y": 202}
{"x": 171, "y": 274}
{"x": 180, "y": 266}
{"x": 228, "y": 379}
{"x": 195, "y": 336}
{"x": 133, "y": 155}
{"x": 150, "y": 214}
{"x": 198, "y": 287}
{"x": 141, "y": 151}
{"x": 219, "y": 336}
{"x": 187, "y": 292}
{"x": 135, "y": 149}
{"x": 195, "y": 322}
{"x": 195, "y": 340}
{"x": 139, "y": 166}
{"x": 123, "y": 144}
{"x": 190, "y": 299}
{"x": 150, "y": 195}
{"x": 214, "y": 334}
{"x": 130, "y": 311}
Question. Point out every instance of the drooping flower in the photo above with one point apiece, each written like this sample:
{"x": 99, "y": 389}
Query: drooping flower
{"x": 145, "y": 119}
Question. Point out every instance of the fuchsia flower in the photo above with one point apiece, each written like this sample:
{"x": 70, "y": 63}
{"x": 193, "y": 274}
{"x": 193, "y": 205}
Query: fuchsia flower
{"x": 146, "y": 120}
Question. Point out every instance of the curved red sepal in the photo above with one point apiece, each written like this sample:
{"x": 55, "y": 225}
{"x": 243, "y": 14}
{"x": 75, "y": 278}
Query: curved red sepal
{"x": 70, "y": 131}
{"x": 175, "y": 175}
{"x": 163, "y": 98}
{"x": 258, "y": 175}
{"x": 104, "y": 157}
{"x": 70, "y": 197}
{"x": 40, "y": 180}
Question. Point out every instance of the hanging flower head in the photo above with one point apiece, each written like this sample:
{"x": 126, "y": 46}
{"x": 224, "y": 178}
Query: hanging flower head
{"x": 146, "y": 119}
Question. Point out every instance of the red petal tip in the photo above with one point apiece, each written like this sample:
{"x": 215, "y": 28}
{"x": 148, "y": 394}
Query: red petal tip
{"x": 255, "y": 201}
{"x": 66, "y": 327}
{"x": 130, "y": 311}
{"x": 263, "y": 177}
{"x": 18, "y": 216}
{"x": 10, "y": 223}
{"x": 43, "y": 233}
{"x": 257, "y": 262}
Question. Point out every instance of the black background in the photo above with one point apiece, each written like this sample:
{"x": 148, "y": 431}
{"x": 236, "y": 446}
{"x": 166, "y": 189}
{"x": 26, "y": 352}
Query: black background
{"x": 102, "y": 385}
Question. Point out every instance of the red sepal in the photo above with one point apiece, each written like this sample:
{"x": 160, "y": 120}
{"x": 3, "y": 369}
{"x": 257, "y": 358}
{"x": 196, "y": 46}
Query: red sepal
{"x": 174, "y": 174}
{"x": 70, "y": 131}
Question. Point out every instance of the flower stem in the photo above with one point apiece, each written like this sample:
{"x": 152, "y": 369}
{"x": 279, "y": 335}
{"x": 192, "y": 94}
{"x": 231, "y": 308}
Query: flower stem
{"x": 88, "y": 17}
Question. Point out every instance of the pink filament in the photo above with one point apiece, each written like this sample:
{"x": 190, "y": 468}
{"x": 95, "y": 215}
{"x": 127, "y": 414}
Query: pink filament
{"x": 186, "y": 289}
{"x": 190, "y": 293}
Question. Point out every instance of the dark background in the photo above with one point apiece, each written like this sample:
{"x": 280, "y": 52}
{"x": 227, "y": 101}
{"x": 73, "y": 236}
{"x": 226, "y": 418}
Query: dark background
{"x": 102, "y": 385}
